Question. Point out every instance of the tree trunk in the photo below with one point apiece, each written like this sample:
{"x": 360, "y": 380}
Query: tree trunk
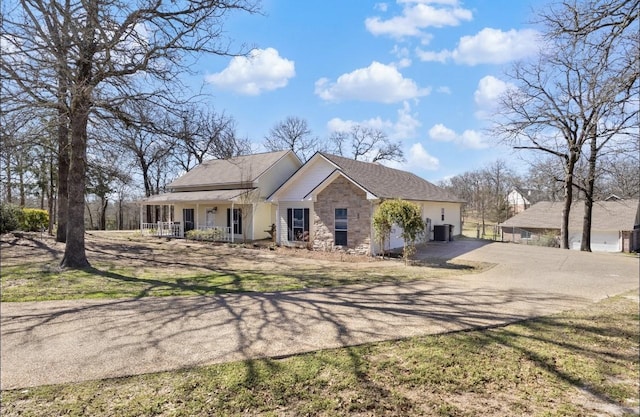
{"x": 103, "y": 214}
{"x": 74, "y": 254}
{"x": 90, "y": 214}
{"x": 8, "y": 174}
{"x": 588, "y": 200}
{"x": 120, "y": 215}
{"x": 21, "y": 187}
{"x": 568, "y": 199}
{"x": 50, "y": 196}
{"x": 63, "y": 176}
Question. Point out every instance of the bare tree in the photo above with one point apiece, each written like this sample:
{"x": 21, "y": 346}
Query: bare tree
{"x": 546, "y": 176}
{"x": 292, "y": 133}
{"x": 500, "y": 181}
{"x": 605, "y": 36}
{"x": 91, "y": 51}
{"x": 204, "y": 134}
{"x": 485, "y": 190}
{"x": 621, "y": 176}
{"x": 606, "y": 32}
{"x": 366, "y": 143}
{"x": 564, "y": 99}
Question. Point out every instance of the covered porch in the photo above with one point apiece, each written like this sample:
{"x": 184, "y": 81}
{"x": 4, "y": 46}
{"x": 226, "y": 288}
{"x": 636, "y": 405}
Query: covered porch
{"x": 221, "y": 215}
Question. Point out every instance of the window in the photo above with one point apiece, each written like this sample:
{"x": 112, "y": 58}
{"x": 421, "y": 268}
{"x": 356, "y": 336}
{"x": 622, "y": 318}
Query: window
{"x": 236, "y": 220}
{"x": 211, "y": 217}
{"x": 298, "y": 224}
{"x": 525, "y": 234}
{"x": 341, "y": 227}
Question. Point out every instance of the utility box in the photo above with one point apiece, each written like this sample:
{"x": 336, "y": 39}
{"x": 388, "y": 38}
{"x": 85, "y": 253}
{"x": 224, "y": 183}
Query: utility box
{"x": 443, "y": 232}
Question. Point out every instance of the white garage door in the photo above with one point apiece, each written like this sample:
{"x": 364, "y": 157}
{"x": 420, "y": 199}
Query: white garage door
{"x": 600, "y": 241}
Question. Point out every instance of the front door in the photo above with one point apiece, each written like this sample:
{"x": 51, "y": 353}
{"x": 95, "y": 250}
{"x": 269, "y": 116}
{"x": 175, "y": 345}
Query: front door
{"x": 188, "y": 218}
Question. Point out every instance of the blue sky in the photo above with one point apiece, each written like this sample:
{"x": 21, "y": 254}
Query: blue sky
{"x": 426, "y": 72}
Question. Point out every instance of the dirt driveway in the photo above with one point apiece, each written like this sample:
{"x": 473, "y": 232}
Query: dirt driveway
{"x": 66, "y": 341}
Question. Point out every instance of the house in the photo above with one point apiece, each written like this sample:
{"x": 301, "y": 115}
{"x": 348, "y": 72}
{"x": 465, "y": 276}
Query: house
{"x": 227, "y": 196}
{"x": 518, "y": 201}
{"x": 614, "y": 225}
{"x": 329, "y": 204}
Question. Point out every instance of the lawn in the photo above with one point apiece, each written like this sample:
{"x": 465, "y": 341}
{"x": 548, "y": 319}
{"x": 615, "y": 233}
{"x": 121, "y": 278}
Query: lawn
{"x": 580, "y": 363}
{"x": 128, "y": 266}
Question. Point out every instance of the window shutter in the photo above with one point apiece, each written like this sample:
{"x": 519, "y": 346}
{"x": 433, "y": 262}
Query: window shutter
{"x": 306, "y": 220}
{"x": 239, "y": 215}
{"x": 228, "y": 217}
{"x": 289, "y": 224}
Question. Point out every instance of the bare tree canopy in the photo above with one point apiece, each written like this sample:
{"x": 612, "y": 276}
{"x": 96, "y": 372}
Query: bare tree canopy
{"x": 580, "y": 95}
{"x": 204, "y": 134}
{"x": 366, "y": 144}
{"x": 292, "y": 133}
{"x": 83, "y": 56}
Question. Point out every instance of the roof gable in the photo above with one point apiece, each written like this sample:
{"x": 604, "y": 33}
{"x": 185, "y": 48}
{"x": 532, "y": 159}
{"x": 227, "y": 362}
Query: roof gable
{"x": 379, "y": 181}
{"x": 238, "y": 172}
{"x": 332, "y": 177}
{"x": 388, "y": 183}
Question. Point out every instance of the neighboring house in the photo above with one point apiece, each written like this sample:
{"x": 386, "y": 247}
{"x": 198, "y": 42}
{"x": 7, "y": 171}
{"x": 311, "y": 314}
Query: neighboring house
{"x": 614, "y": 224}
{"x": 520, "y": 199}
{"x": 329, "y": 204}
{"x": 224, "y": 195}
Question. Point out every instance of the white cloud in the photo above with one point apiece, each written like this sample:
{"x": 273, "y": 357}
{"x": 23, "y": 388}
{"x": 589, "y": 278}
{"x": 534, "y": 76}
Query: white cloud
{"x": 404, "y": 127}
{"x": 377, "y": 83}
{"x": 489, "y": 46}
{"x": 444, "y": 89}
{"x": 419, "y": 158}
{"x": 487, "y": 94}
{"x": 263, "y": 70}
{"x": 468, "y": 139}
{"x": 381, "y": 6}
{"x": 407, "y": 123}
{"x": 418, "y": 15}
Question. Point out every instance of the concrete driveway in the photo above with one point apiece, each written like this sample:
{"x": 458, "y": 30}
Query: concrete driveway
{"x": 66, "y": 341}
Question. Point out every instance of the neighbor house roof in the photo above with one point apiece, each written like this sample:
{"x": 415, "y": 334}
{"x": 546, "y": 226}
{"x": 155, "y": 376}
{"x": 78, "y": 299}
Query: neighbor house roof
{"x": 228, "y": 173}
{"x": 385, "y": 182}
{"x": 607, "y": 215}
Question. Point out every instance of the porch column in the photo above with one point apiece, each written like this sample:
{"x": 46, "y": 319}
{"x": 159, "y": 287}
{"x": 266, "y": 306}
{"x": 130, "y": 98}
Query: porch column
{"x": 231, "y": 223}
{"x": 277, "y": 239}
{"x": 197, "y": 212}
{"x": 253, "y": 222}
{"x": 142, "y": 205}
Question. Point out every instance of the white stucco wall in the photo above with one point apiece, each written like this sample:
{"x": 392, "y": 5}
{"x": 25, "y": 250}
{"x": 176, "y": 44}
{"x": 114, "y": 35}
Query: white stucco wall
{"x": 452, "y": 215}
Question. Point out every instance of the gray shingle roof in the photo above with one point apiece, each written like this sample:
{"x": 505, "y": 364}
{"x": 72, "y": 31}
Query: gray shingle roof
{"x": 225, "y": 173}
{"x": 607, "y": 215}
{"x": 195, "y": 196}
{"x": 385, "y": 182}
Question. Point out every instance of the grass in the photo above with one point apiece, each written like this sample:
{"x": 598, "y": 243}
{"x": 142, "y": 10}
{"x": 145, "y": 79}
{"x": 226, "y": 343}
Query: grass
{"x": 41, "y": 281}
{"x": 122, "y": 269}
{"x": 580, "y": 363}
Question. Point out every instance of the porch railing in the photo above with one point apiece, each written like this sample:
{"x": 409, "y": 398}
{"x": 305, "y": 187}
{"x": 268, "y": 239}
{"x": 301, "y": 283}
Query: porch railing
{"x": 170, "y": 229}
{"x": 174, "y": 229}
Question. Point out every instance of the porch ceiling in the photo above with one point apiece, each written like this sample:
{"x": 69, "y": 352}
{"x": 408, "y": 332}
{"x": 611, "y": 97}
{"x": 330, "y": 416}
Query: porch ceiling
{"x": 216, "y": 196}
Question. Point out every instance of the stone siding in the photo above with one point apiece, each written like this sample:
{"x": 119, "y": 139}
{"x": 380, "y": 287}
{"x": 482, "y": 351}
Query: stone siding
{"x": 342, "y": 193}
